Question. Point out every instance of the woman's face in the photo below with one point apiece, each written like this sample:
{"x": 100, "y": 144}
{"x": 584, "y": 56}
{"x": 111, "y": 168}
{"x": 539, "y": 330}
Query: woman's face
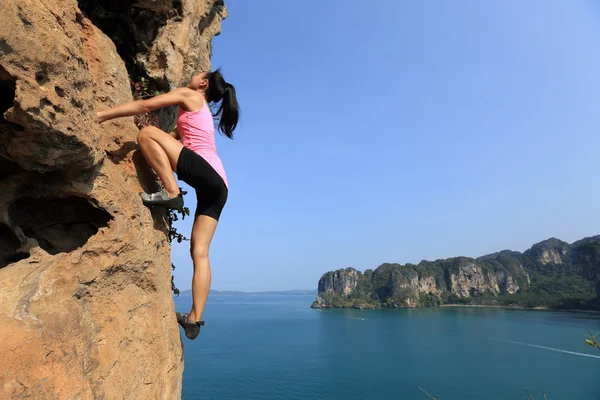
{"x": 199, "y": 81}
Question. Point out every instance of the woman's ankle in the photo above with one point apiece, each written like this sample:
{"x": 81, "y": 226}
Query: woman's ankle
{"x": 191, "y": 317}
{"x": 172, "y": 193}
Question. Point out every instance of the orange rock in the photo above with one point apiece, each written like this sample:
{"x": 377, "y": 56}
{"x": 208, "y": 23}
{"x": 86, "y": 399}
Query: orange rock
{"x": 86, "y": 309}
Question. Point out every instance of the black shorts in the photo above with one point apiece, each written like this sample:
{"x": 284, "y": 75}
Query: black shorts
{"x": 211, "y": 190}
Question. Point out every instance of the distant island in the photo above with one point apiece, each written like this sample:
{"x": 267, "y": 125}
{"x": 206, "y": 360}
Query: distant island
{"x": 294, "y": 292}
{"x": 552, "y": 274}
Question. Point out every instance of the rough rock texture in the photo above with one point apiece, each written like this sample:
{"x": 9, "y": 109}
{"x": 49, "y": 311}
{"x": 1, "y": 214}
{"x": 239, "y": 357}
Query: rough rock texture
{"x": 342, "y": 281}
{"x": 549, "y": 251}
{"x": 167, "y": 41}
{"x": 550, "y": 256}
{"x": 507, "y": 283}
{"x": 338, "y": 282}
{"x": 85, "y": 307}
{"x": 427, "y": 285}
{"x": 184, "y": 43}
{"x": 552, "y": 273}
{"x": 471, "y": 280}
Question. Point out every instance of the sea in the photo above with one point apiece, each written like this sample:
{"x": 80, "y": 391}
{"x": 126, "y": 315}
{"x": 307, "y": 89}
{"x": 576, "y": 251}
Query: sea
{"x": 277, "y": 347}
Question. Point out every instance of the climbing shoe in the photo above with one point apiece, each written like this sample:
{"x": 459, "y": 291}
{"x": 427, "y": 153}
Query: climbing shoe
{"x": 163, "y": 199}
{"x": 191, "y": 329}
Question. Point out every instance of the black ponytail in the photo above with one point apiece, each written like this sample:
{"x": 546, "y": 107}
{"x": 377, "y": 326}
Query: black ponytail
{"x": 229, "y": 109}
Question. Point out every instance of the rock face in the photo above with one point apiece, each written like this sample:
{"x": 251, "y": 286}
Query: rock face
{"x": 337, "y": 282}
{"x": 549, "y": 251}
{"x": 471, "y": 280}
{"x": 342, "y": 281}
{"x": 166, "y": 40}
{"x": 85, "y": 306}
{"x": 552, "y": 273}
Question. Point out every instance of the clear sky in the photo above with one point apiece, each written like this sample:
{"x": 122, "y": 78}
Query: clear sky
{"x": 397, "y": 131}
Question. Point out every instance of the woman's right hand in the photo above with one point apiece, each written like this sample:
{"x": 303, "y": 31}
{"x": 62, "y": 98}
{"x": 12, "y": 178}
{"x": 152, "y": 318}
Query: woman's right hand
{"x": 99, "y": 118}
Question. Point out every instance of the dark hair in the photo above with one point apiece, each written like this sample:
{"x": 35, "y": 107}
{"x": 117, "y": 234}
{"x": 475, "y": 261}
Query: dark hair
{"x": 229, "y": 109}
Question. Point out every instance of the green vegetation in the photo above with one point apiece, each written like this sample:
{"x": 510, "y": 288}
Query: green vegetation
{"x": 591, "y": 340}
{"x": 141, "y": 90}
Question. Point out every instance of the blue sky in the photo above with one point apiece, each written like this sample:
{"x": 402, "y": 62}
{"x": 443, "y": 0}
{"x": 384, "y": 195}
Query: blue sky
{"x": 402, "y": 131}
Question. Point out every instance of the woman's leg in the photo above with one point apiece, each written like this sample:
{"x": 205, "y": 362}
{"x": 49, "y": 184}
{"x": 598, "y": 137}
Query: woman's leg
{"x": 161, "y": 151}
{"x": 202, "y": 234}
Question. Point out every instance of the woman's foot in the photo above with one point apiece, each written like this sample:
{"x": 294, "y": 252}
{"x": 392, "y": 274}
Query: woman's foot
{"x": 162, "y": 198}
{"x": 191, "y": 329}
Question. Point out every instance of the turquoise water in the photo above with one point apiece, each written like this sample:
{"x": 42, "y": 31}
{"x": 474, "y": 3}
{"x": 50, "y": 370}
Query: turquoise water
{"x": 276, "y": 347}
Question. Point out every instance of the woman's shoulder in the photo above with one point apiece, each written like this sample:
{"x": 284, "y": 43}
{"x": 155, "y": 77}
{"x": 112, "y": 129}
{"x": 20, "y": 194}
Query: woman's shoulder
{"x": 191, "y": 100}
{"x": 187, "y": 93}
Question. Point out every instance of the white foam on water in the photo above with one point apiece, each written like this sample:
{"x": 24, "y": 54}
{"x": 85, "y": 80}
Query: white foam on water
{"x": 549, "y": 348}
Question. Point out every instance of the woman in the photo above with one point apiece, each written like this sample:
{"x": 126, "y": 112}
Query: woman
{"x": 195, "y": 161}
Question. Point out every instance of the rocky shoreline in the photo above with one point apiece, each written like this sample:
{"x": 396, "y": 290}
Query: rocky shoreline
{"x": 523, "y": 308}
{"x": 540, "y": 308}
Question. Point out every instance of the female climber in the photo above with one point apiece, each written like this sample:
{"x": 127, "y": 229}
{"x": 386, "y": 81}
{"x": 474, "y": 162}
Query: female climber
{"x": 195, "y": 161}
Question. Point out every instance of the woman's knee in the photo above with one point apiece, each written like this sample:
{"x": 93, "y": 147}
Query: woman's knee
{"x": 144, "y": 133}
{"x": 198, "y": 252}
{"x": 142, "y": 137}
{"x": 148, "y": 132}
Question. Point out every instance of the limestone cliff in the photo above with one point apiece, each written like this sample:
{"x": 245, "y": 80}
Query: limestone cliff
{"x": 552, "y": 273}
{"x": 85, "y": 301}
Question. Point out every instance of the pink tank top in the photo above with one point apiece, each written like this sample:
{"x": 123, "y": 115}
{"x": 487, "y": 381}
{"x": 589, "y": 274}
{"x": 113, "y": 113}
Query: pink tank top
{"x": 197, "y": 132}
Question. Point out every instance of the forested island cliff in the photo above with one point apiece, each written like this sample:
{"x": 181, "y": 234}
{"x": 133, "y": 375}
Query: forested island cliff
{"x": 551, "y": 274}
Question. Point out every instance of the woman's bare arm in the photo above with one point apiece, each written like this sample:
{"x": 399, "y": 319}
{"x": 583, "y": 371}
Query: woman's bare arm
{"x": 136, "y": 107}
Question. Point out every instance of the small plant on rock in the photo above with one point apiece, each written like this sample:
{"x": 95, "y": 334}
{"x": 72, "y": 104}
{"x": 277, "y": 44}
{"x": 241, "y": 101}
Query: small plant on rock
{"x": 141, "y": 90}
{"x": 591, "y": 340}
